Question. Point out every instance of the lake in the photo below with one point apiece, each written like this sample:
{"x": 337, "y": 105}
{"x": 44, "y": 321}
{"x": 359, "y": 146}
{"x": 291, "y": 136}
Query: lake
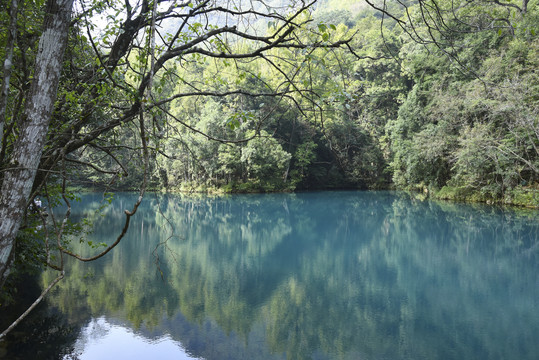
{"x": 326, "y": 275}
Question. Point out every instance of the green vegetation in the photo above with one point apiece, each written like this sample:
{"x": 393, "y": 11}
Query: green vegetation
{"x": 440, "y": 97}
{"x": 417, "y": 95}
{"x": 453, "y": 113}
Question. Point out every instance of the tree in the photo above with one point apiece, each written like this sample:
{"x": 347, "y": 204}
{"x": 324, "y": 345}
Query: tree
{"x": 18, "y": 178}
{"x": 468, "y": 120}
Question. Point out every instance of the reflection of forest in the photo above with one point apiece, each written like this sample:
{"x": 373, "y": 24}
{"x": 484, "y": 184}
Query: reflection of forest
{"x": 326, "y": 275}
{"x": 44, "y": 334}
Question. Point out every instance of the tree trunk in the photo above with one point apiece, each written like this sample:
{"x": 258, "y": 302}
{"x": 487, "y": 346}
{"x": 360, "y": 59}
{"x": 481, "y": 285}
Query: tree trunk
{"x": 19, "y": 177}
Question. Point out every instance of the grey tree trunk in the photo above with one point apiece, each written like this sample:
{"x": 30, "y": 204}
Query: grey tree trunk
{"x": 19, "y": 177}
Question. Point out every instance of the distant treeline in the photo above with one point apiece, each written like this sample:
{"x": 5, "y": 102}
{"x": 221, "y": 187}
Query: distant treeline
{"x": 444, "y": 102}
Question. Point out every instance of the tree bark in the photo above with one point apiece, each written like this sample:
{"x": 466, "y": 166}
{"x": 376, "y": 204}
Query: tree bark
{"x": 19, "y": 176}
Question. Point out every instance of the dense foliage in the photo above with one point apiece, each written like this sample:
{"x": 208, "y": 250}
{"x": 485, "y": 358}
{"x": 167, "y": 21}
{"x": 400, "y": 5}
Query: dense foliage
{"x": 427, "y": 98}
{"x": 454, "y": 111}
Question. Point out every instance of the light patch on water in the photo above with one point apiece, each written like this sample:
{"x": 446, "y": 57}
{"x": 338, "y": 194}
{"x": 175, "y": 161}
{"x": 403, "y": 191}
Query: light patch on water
{"x": 102, "y": 340}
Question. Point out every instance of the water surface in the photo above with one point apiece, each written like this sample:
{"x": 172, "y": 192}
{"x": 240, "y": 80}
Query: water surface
{"x": 329, "y": 275}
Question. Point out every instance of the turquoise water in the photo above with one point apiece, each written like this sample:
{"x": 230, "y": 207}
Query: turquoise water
{"x": 328, "y": 275}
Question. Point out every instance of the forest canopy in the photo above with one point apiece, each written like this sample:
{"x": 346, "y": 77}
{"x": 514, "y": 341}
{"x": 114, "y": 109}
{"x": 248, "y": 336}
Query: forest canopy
{"x": 375, "y": 94}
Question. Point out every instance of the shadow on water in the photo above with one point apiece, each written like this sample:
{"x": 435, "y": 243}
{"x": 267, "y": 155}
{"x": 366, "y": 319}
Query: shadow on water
{"x": 45, "y": 334}
{"x": 330, "y": 275}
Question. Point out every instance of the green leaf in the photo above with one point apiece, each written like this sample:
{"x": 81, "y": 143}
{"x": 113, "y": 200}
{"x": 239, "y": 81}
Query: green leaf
{"x": 322, "y": 28}
{"x": 233, "y": 123}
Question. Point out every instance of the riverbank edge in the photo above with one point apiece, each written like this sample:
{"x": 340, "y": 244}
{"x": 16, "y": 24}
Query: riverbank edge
{"x": 527, "y": 197}
{"x": 524, "y": 197}
{"x": 521, "y": 196}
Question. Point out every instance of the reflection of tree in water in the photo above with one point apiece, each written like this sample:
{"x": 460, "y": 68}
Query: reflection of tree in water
{"x": 462, "y": 274}
{"x": 223, "y": 258}
{"x": 423, "y": 284}
{"x": 45, "y": 334}
{"x": 328, "y": 275}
